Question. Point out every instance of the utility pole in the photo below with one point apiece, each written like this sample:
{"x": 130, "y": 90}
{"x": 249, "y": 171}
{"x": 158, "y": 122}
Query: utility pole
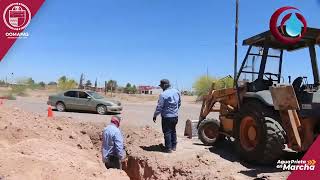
{"x": 236, "y": 44}
{"x": 105, "y": 87}
{"x": 12, "y": 78}
{"x": 81, "y": 81}
{"x": 235, "y": 83}
{"x": 96, "y": 84}
{"x": 111, "y": 88}
{"x": 207, "y": 73}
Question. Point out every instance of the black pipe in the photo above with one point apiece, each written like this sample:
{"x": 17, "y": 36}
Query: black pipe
{"x": 314, "y": 64}
{"x": 236, "y": 44}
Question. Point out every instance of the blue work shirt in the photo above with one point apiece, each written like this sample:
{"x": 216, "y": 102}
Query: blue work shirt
{"x": 169, "y": 103}
{"x": 112, "y": 143}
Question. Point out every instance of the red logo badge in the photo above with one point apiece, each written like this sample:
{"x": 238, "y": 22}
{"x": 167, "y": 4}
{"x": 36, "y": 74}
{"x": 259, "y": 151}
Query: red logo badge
{"x": 17, "y": 16}
{"x": 293, "y": 26}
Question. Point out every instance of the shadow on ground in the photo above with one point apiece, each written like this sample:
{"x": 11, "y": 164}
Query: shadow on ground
{"x": 153, "y": 148}
{"x": 88, "y": 112}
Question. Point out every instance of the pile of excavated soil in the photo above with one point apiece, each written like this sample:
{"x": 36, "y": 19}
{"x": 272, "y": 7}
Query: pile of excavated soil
{"x": 36, "y": 147}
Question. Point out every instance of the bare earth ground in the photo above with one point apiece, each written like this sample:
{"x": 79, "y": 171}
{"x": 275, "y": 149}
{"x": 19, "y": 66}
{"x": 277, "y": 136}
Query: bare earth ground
{"x": 34, "y": 147}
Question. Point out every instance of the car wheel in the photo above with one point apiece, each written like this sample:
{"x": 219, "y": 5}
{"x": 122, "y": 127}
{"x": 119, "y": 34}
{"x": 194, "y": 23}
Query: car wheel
{"x": 101, "y": 109}
{"x": 60, "y": 107}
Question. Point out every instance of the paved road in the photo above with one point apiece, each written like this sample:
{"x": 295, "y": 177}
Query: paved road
{"x": 134, "y": 114}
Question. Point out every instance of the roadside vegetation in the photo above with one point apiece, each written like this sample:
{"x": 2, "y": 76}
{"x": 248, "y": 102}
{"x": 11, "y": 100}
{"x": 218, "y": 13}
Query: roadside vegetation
{"x": 64, "y": 83}
{"x": 129, "y": 89}
{"x": 204, "y": 83}
{"x": 21, "y": 86}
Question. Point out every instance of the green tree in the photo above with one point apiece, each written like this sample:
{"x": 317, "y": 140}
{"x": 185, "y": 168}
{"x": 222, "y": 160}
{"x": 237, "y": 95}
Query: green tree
{"x": 19, "y": 90}
{"x": 26, "y": 81}
{"x": 88, "y": 83}
{"x": 62, "y": 79}
{"x": 129, "y": 89}
{"x": 42, "y": 84}
{"x": 112, "y": 84}
{"x": 204, "y": 83}
{"x": 134, "y": 89}
{"x": 52, "y": 83}
{"x": 64, "y": 83}
{"x": 30, "y": 82}
{"x": 226, "y": 82}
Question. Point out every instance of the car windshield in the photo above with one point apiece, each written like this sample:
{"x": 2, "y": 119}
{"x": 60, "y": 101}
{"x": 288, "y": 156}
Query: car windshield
{"x": 95, "y": 95}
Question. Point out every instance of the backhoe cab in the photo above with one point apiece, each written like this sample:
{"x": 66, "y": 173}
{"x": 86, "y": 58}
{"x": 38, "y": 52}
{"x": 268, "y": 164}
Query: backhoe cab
{"x": 262, "y": 113}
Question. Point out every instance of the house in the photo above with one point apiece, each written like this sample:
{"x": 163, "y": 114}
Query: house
{"x": 149, "y": 90}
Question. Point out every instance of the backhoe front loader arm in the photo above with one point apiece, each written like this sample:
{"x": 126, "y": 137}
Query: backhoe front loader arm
{"x": 226, "y": 97}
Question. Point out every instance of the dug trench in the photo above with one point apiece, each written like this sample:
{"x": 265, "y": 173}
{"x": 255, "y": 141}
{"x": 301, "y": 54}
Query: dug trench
{"x": 137, "y": 167}
{"x": 145, "y": 160}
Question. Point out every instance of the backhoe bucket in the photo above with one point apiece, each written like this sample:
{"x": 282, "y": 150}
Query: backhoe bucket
{"x": 285, "y": 101}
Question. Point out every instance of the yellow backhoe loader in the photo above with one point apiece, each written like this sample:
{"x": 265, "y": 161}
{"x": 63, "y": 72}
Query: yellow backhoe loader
{"x": 262, "y": 113}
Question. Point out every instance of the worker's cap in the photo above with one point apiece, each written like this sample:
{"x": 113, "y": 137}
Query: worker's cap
{"x": 164, "y": 82}
{"x": 116, "y": 120}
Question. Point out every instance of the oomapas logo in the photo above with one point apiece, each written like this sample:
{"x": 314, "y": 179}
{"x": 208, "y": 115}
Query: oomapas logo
{"x": 16, "y": 17}
{"x": 291, "y": 165}
{"x": 292, "y": 27}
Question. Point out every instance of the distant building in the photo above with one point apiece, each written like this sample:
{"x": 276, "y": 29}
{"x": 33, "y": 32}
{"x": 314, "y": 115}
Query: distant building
{"x": 149, "y": 90}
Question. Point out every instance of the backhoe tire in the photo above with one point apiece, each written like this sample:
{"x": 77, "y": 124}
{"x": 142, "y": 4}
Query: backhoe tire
{"x": 261, "y": 138}
{"x": 208, "y": 131}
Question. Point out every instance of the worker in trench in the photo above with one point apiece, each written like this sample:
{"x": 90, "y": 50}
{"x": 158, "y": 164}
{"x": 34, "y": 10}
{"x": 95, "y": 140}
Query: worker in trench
{"x": 168, "y": 106}
{"x": 112, "y": 144}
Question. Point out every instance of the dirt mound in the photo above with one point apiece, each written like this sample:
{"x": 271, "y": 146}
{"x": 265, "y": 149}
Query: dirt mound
{"x": 36, "y": 147}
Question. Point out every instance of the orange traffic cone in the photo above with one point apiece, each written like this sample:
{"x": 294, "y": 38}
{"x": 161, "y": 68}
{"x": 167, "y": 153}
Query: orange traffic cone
{"x": 50, "y": 113}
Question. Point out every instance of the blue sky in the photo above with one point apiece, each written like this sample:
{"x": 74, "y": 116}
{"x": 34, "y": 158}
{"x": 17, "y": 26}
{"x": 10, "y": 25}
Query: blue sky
{"x": 142, "y": 41}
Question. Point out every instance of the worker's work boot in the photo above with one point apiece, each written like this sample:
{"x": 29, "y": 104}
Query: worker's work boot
{"x": 167, "y": 151}
{"x": 164, "y": 149}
